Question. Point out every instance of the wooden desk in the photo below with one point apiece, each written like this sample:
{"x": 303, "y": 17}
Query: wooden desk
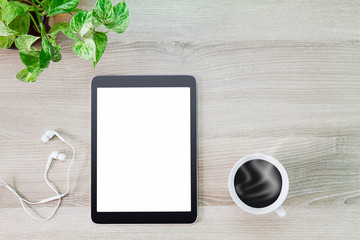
{"x": 277, "y": 78}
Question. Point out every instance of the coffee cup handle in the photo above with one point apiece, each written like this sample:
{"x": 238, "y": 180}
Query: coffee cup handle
{"x": 280, "y": 211}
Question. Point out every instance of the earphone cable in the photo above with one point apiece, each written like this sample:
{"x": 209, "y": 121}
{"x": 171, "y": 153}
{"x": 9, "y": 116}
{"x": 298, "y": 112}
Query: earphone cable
{"x": 58, "y": 195}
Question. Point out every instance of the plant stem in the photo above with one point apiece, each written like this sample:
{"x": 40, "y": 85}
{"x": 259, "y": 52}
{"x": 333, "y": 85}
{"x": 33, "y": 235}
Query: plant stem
{"x": 43, "y": 32}
{"x": 27, "y": 1}
{"x": 39, "y": 3}
{"x": 35, "y": 24}
{"x": 77, "y": 10}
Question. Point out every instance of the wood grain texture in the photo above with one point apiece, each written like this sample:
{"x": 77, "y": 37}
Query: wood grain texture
{"x": 274, "y": 77}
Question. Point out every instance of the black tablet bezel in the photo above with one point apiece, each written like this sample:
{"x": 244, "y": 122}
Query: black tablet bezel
{"x": 143, "y": 217}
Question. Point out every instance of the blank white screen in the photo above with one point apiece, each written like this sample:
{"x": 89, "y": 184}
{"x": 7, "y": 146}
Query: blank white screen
{"x": 143, "y": 149}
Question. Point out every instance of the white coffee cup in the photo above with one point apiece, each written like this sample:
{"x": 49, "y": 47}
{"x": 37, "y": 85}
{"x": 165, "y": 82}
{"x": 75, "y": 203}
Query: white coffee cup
{"x": 274, "y": 206}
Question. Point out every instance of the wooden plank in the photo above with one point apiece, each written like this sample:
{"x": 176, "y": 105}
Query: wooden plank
{"x": 219, "y": 20}
{"x": 213, "y": 223}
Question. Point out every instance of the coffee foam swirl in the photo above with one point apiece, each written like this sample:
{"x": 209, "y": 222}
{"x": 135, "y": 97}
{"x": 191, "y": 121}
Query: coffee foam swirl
{"x": 258, "y": 183}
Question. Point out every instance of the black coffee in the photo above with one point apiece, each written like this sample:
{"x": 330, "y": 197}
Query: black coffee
{"x": 258, "y": 183}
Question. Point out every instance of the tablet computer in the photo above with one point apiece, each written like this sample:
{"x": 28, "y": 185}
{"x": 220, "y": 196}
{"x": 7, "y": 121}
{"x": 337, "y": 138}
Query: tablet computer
{"x": 143, "y": 149}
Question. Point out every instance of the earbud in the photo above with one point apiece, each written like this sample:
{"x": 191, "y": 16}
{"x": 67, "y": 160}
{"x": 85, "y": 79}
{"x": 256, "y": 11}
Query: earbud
{"x": 57, "y": 155}
{"x": 49, "y": 134}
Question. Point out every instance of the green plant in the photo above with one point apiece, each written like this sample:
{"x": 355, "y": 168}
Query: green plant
{"x": 90, "y": 44}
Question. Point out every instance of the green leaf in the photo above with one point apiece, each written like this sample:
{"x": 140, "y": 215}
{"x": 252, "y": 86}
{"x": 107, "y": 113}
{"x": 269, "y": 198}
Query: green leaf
{"x": 85, "y": 49}
{"x": 121, "y": 10}
{"x": 54, "y": 43}
{"x": 35, "y": 62}
{"x": 103, "y": 12}
{"x": 95, "y": 21}
{"x": 121, "y": 27}
{"x": 56, "y": 7}
{"x": 24, "y": 41}
{"x": 14, "y": 9}
{"x": 100, "y": 40}
{"x": 21, "y": 24}
{"x": 5, "y": 30}
{"x": 25, "y": 6}
{"x": 44, "y": 60}
{"x": 121, "y": 13}
{"x": 121, "y": 17}
{"x": 3, "y": 3}
{"x": 81, "y": 22}
{"x": 31, "y": 59}
{"x": 1, "y": 16}
{"x": 7, "y": 41}
{"x": 25, "y": 76}
{"x": 64, "y": 28}
{"x": 7, "y": 36}
{"x": 53, "y": 52}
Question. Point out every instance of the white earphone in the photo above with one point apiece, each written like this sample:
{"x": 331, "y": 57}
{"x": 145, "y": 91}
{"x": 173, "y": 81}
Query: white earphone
{"x": 54, "y": 155}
